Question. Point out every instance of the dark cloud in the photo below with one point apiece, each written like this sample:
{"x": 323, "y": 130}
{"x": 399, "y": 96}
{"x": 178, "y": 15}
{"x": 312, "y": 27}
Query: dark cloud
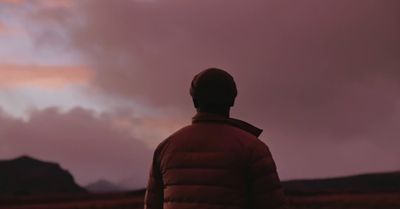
{"x": 323, "y": 76}
{"x": 87, "y": 145}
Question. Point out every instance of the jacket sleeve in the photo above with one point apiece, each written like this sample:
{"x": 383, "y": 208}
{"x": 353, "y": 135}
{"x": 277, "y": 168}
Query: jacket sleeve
{"x": 154, "y": 196}
{"x": 265, "y": 190}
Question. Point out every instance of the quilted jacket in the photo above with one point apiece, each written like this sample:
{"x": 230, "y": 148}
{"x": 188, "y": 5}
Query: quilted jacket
{"x": 214, "y": 163}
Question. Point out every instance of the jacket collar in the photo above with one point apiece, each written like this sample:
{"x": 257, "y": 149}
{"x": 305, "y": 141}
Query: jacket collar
{"x": 214, "y": 118}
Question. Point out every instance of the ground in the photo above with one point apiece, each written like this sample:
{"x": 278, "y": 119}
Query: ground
{"x": 133, "y": 200}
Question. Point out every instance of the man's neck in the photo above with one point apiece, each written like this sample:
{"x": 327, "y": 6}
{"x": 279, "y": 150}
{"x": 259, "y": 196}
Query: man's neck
{"x": 225, "y": 112}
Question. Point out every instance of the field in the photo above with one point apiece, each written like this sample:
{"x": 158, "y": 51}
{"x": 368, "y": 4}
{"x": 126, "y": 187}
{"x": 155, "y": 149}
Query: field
{"x": 133, "y": 200}
{"x": 346, "y": 201}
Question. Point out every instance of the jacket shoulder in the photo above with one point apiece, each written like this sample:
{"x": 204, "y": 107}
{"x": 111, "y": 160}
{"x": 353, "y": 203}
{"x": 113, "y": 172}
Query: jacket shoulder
{"x": 164, "y": 143}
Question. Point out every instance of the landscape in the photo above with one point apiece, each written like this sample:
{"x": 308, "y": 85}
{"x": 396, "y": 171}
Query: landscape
{"x": 28, "y": 183}
{"x": 91, "y": 90}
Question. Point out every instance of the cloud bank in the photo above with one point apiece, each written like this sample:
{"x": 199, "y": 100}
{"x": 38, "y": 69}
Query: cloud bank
{"x": 88, "y": 145}
{"x": 321, "y": 78}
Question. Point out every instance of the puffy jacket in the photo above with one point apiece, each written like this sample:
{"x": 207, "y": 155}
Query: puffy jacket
{"x": 214, "y": 163}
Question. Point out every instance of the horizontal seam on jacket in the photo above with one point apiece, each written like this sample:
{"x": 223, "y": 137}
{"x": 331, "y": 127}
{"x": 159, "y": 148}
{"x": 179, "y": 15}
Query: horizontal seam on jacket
{"x": 172, "y": 201}
{"x": 152, "y": 192}
{"x": 268, "y": 173}
{"x": 216, "y": 168}
{"x": 199, "y": 151}
{"x": 191, "y": 184}
{"x": 270, "y": 191}
{"x": 261, "y": 158}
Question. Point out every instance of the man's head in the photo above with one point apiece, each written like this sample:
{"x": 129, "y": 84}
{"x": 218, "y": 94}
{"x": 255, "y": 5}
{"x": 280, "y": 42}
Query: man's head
{"x": 213, "y": 89}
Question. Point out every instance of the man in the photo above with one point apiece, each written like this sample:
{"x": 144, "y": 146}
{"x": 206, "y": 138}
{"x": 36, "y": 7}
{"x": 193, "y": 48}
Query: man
{"x": 217, "y": 161}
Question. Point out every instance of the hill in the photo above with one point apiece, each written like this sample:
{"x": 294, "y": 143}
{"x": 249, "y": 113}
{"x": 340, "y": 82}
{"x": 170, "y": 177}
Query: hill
{"x": 103, "y": 186}
{"x": 28, "y": 176}
{"x": 364, "y": 183}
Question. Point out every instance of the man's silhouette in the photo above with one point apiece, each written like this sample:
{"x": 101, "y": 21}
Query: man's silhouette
{"x": 217, "y": 161}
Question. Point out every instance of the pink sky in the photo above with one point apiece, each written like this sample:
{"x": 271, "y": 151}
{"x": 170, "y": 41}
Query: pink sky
{"x": 111, "y": 78}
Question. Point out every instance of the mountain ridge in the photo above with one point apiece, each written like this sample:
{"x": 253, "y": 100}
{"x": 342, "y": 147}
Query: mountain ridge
{"x": 360, "y": 183}
{"x": 104, "y": 186}
{"x": 26, "y": 175}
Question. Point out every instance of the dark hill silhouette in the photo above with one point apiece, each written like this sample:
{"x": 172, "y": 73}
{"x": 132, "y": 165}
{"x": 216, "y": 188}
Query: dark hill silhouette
{"x": 364, "y": 183}
{"x": 103, "y": 186}
{"x": 26, "y": 176}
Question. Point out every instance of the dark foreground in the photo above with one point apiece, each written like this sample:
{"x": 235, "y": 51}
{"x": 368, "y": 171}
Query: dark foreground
{"x": 135, "y": 200}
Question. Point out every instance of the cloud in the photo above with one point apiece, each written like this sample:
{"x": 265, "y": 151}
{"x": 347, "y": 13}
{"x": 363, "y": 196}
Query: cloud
{"x": 43, "y": 3}
{"x": 322, "y": 75}
{"x": 3, "y": 27}
{"x": 16, "y": 2}
{"x": 84, "y": 143}
{"x": 44, "y": 76}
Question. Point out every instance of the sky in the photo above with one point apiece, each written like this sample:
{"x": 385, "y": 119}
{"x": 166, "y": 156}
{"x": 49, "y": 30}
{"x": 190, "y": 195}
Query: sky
{"x": 95, "y": 85}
